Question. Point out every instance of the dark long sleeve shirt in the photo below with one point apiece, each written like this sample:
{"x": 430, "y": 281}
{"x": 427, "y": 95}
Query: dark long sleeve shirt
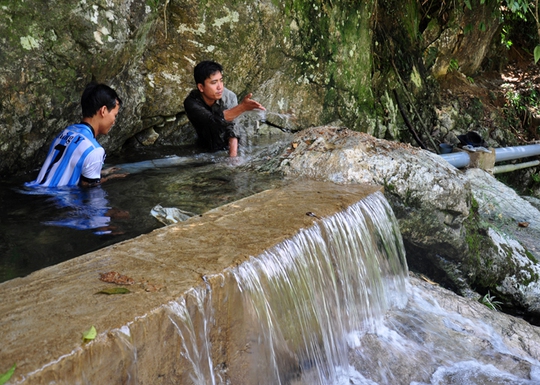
{"x": 212, "y": 129}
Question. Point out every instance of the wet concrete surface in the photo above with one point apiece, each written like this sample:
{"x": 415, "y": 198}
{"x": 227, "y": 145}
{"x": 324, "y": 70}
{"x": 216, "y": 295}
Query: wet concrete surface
{"x": 45, "y": 313}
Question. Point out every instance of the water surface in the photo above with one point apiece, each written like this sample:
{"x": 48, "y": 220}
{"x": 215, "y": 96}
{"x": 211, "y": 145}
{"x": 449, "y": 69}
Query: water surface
{"x": 40, "y": 230}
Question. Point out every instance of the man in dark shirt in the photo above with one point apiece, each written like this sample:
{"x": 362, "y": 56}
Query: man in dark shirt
{"x": 211, "y": 108}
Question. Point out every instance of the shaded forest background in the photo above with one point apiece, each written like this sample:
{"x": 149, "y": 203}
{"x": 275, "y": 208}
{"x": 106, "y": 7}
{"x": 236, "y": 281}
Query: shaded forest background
{"x": 479, "y": 57}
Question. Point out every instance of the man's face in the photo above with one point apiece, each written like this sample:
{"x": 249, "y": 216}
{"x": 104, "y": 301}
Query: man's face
{"x": 109, "y": 117}
{"x": 212, "y": 89}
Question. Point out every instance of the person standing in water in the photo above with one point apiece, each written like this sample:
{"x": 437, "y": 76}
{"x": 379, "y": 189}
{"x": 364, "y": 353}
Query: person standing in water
{"x": 75, "y": 157}
{"x": 211, "y": 109}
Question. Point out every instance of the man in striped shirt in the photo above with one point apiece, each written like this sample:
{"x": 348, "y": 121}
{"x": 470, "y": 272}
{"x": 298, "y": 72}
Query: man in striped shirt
{"x": 75, "y": 157}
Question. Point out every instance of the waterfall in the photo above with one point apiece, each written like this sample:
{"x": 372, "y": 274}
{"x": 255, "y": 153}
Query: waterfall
{"x": 296, "y": 306}
{"x": 331, "y": 303}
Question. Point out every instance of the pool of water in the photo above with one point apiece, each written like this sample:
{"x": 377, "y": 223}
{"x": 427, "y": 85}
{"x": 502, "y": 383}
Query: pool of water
{"x": 40, "y": 230}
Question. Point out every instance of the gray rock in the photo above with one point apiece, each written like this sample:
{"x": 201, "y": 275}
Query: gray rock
{"x": 147, "y": 50}
{"x": 460, "y": 243}
{"x": 512, "y": 265}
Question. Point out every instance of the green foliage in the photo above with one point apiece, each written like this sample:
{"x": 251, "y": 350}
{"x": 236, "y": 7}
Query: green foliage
{"x": 489, "y": 301}
{"x": 389, "y": 187}
{"x": 114, "y": 290}
{"x": 411, "y": 20}
{"x": 474, "y": 205}
{"x": 505, "y": 37}
{"x": 536, "y": 54}
{"x": 482, "y": 26}
{"x": 7, "y": 375}
{"x": 453, "y": 66}
{"x": 519, "y": 25}
{"x": 431, "y": 56}
{"x": 520, "y": 7}
{"x": 153, "y": 4}
{"x": 475, "y": 236}
{"x": 89, "y": 334}
{"x": 533, "y": 259}
{"x": 468, "y": 3}
{"x": 514, "y": 99}
{"x": 520, "y": 101}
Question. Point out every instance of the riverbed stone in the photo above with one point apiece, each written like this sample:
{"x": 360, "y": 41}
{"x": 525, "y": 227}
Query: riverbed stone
{"x": 512, "y": 266}
{"x": 429, "y": 196}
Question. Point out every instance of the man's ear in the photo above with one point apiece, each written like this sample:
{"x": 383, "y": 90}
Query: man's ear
{"x": 200, "y": 87}
{"x": 102, "y": 111}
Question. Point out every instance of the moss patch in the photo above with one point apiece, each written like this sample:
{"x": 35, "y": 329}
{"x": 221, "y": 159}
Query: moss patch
{"x": 335, "y": 40}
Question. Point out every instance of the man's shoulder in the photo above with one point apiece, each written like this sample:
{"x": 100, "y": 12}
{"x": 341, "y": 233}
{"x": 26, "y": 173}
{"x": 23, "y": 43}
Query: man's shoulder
{"x": 79, "y": 128}
{"x": 194, "y": 95}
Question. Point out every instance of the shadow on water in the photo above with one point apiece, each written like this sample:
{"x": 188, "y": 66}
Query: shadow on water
{"x": 40, "y": 230}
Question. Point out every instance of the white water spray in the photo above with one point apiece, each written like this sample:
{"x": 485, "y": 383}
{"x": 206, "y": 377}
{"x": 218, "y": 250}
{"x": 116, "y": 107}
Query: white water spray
{"x": 302, "y": 299}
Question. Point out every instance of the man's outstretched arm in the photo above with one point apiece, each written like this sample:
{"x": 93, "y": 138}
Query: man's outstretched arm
{"x": 247, "y": 104}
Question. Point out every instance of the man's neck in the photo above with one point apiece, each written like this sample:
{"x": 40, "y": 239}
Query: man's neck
{"x": 88, "y": 121}
{"x": 209, "y": 102}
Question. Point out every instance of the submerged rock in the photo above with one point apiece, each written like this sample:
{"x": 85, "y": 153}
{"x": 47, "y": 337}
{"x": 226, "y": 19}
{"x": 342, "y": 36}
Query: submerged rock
{"x": 441, "y": 338}
{"x": 170, "y": 215}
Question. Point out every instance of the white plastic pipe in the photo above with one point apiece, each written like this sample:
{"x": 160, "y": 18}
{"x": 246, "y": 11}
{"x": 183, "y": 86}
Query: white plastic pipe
{"x": 513, "y": 167}
{"x": 509, "y": 153}
{"x": 458, "y": 159}
{"x": 461, "y": 159}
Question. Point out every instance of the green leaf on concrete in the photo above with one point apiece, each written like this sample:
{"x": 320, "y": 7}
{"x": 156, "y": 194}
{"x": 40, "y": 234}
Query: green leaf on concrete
{"x": 114, "y": 290}
{"x": 90, "y": 334}
{"x": 536, "y": 54}
{"x": 7, "y": 375}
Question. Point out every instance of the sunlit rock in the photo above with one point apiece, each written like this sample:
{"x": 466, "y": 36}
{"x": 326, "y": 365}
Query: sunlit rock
{"x": 437, "y": 214}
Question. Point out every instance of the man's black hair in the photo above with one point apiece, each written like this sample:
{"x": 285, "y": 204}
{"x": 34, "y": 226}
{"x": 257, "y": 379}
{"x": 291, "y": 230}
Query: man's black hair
{"x": 205, "y": 69}
{"x": 96, "y": 96}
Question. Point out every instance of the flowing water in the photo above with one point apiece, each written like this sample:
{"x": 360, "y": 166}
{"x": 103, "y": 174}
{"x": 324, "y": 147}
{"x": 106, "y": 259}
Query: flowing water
{"x": 334, "y": 305}
{"x": 40, "y": 229}
{"x": 300, "y": 301}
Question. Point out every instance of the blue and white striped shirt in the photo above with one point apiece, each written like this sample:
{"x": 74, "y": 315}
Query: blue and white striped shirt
{"x": 73, "y": 153}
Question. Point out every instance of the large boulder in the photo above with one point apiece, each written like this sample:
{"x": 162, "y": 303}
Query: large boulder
{"x": 50, "y": 50}
{"x": 445, "y": 236}
{"x": 507, "y": 262}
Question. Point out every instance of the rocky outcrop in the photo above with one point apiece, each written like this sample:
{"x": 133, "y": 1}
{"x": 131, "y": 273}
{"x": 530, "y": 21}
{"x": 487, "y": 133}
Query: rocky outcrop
{"x": 50, "y": 50}
{"x": 146, "y": 50}
{"x": 510, "y": 269}
{"x": 462, "y": 48}
{"x": 309, "y": 64}
{"x": 444, "y": 214}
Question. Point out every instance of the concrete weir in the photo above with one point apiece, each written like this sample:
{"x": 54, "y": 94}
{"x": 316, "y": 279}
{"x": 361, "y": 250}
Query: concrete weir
{"x": 45, "y": 313}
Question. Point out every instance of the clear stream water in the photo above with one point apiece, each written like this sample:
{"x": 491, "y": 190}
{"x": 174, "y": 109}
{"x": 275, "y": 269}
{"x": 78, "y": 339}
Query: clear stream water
{"x": 40, "y": 230}
{"x": 331, "y": 306}
{"x": 334, "y": 305}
